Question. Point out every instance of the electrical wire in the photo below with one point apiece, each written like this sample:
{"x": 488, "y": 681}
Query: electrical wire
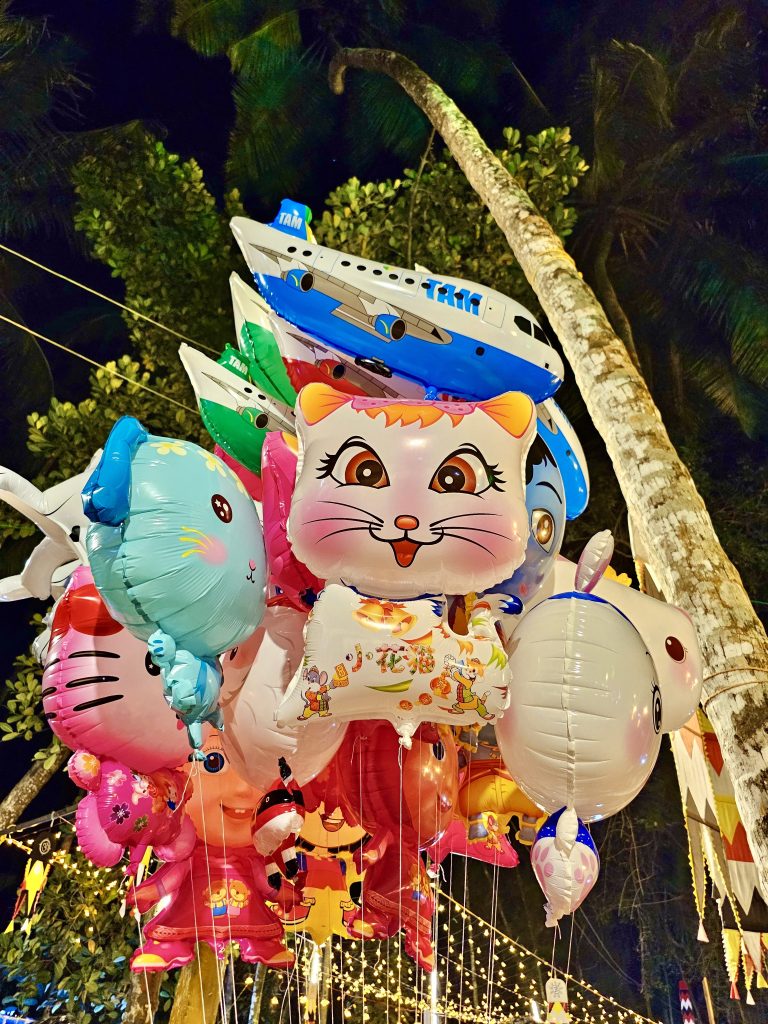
{"x": 106, "y": 298}
{"x": 93, "y": 362}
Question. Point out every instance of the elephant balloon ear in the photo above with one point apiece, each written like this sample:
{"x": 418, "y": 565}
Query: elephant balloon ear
{"x": 595, "y": 559}
{"x": 107, "y": 494}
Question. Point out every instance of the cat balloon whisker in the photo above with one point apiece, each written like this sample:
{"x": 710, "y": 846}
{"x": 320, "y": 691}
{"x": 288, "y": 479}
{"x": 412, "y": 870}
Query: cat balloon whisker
{"x": 348, "y": 529}
{"x": 468, "y": 540}
{"x": 465, "y": 515}
{"x": 480, "y": 529}
{"x": 356, "y": 508}
{"x": 345, "y": 519}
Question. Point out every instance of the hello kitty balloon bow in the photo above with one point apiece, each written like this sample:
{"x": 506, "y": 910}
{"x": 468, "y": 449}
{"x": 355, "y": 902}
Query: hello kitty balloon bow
{"x": 177, "y": 554}
{"x": 403, "y": 502}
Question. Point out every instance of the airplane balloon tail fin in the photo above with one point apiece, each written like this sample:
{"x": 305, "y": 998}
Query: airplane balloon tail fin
{"x": 293, "y": 219}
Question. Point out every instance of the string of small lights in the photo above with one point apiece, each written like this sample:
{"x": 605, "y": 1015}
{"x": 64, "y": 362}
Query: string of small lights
{"x": 505, "y": 981}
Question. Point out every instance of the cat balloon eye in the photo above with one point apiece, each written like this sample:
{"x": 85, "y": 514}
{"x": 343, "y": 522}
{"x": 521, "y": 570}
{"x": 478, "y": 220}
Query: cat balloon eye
{"x": 465, "y": 471}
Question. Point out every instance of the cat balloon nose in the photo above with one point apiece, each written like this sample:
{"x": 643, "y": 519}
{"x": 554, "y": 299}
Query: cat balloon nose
{"x": 407, "y": 523}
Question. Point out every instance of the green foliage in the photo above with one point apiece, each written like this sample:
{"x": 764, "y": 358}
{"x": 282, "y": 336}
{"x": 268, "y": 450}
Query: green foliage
{"x": 76, "y": 946}
{"x": 148, "y": 216}
{"x": 22, "y": 710}
{"x": 433, "y": 216}
{"x": 287, "y": 125}
{"x": 40, "y": 88}
{"x": 676, "y": 197}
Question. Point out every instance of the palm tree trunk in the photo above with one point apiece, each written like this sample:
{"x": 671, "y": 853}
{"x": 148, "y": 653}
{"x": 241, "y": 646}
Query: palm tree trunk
{"x": 143, "y": 998}
{"x": 674, "y": 530}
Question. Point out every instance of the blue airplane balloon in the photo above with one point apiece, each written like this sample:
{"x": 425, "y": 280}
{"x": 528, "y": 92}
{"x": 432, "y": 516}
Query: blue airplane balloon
{"x": 451, "y": 336}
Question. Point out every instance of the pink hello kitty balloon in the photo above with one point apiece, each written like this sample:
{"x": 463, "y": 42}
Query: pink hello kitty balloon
{"x": 400, "y": 499}
{"x": 101, "y": 691}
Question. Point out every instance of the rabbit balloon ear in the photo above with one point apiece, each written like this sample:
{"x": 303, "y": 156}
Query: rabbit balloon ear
{"x": 107, "y": 492}
{"x": 58, "y": 513}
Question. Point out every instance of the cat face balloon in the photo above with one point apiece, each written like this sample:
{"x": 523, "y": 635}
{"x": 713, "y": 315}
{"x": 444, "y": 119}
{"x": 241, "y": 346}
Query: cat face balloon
{"x": 404, "y": 498}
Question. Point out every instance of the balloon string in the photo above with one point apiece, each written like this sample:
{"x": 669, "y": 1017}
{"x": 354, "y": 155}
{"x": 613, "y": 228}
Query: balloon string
{"x": 137, "y": 918}
{"x": 362, "y": 892}
{"x": 106, "y": 298}
{"x": 400, "y": 896}
{"x": 196, "y": 771}
{"x": 570, "y": 942}
{"x": 213, "y": 942}
{"x": 229, "y": 919}
{"x": 464, "y": 899}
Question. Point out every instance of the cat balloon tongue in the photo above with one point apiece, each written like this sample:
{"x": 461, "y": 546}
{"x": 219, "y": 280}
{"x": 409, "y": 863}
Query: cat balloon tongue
{"x": 404, "y": 501}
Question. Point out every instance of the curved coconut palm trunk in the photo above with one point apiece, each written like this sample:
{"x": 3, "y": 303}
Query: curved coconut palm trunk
{"x": 672, "y": 529}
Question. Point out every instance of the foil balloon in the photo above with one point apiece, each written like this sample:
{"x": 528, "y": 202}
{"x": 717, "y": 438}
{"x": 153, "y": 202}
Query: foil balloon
{"x": 293, "y": 583}
{"x": 399, "y": 499}
{"x": 403, "y": 806}
{"x": 584, "y": 725}
{"x": 492, "y": 848}
{"x": 667, "y": 633}
{"x": 123, "y": 809}
{"x": 565, "y": 862}
{"x": 396, "y": 660}
{"x": 58, "y": 514}
{"x": 251, "y": 738}
{"x": 100, "y": 687}
{"x": 333, "y": 853}
{"x": 276, "y": 824}
{"x": 177, "y": 554}
{"x": 219, "y": 894}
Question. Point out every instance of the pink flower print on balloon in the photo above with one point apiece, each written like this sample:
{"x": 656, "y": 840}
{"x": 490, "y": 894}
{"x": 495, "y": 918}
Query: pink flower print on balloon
{"x": 116, "y": 778}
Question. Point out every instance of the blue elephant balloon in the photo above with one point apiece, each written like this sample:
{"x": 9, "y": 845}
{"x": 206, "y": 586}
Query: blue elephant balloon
{"x": 545, "y": 504}
{"x": 177, "y": 553}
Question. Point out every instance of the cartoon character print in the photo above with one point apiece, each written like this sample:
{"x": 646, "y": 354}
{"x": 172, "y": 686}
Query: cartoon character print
{"x": 124, "y": 809}
{"x": 464, "y": 675}
{"x": 376, "y": 674}
{"x": 176, "y": 540}
{"x": 404, "y": 498}
{"x": 316, "y": 699}
{"x": 101, "y": 692}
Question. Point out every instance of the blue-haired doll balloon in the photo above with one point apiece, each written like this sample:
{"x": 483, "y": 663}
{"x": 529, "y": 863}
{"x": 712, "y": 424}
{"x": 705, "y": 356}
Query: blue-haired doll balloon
{"x": 545, "y": 505}
{"x": 177, "y": 553}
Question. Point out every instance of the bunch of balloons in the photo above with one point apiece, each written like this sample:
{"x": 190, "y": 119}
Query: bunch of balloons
{"x": 343, "y": 646}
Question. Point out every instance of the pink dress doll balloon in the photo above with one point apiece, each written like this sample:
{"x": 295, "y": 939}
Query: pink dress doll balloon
{"x": 219, "y": 894}
{"x": 101, "y": 691}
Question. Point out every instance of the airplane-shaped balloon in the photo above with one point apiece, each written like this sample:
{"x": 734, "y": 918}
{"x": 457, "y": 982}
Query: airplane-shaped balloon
{"x": 450, "y": 335}
{"x": 263, "y": 337}
{"x": 235, "y": 412}
{"x": 58, "y": 513}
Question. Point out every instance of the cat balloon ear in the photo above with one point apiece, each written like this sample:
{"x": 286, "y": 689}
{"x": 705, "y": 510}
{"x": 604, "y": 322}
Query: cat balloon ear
{"x": 316, "y": 401}
{"x": 58, "y": 513}
{"x": 107, "y": 494}
{"x": 513, "y": 411}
